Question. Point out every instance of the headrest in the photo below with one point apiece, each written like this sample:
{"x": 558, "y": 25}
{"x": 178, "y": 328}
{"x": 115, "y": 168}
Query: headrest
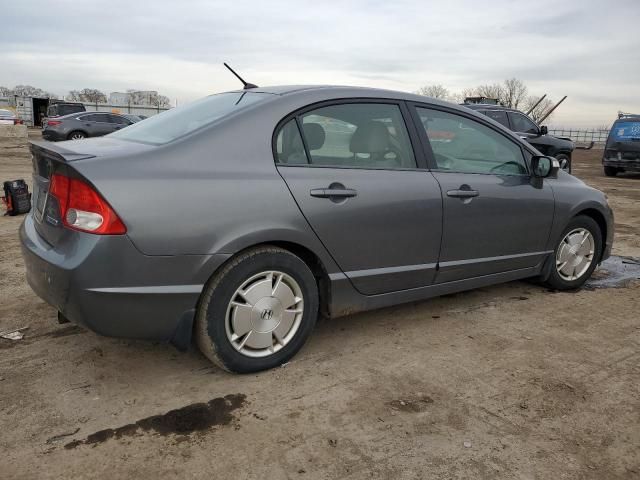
{"x": 371, "y": 137}
{"x": 314, "y": 135}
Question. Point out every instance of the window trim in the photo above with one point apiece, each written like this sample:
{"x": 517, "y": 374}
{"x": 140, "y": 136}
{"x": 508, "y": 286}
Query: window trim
{"x": 412, "y": 133}
{"x": 475, "y": 116}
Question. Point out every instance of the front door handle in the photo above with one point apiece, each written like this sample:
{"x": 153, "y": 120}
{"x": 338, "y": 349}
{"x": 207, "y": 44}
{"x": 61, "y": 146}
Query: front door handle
{"x": 462, "y": 193}
{"x": 333, "y": 192}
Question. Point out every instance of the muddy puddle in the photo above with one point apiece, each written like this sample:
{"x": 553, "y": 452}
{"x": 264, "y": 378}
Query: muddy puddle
{"x": 182, "y": 421}
{"x": 615, "y": 272}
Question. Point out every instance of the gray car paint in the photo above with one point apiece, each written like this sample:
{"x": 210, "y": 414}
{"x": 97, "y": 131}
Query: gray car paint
{"x": 193, "y": 203}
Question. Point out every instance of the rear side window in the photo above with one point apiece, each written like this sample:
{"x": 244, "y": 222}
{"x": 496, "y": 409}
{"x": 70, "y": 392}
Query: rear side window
{"x": 178, "y": 122}
{"x": 460, "y": 144}
{"x": 360, "y": 135}
{"x": 289, "y": 146}
{"x": 498, "y": 116}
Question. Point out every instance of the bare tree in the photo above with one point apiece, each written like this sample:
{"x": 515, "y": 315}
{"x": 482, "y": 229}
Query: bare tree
{"x": 494, "y": 90}
{"x": 160, "y": 100}
{"x": 434, "y": 91}
{"x": 28, "y": 91}
{"x": 89, "y": 95}
{"x": 514, "y": 92}
{"x": 5, "y": 92}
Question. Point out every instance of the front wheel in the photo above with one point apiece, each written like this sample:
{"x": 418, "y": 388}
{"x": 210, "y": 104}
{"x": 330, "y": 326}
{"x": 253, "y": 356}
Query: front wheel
{"x": 565, "y": 162}
{"x": 258, "y": 311}
{"x": 610, "y": 171}
{"x": 577, "y": 254}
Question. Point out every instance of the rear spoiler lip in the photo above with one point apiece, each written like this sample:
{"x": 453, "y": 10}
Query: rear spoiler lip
{"x": 55, "y": 152}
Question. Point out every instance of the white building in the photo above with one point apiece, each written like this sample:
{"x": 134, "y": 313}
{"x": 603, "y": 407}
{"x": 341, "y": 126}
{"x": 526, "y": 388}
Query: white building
{"x": 142, "y": 97}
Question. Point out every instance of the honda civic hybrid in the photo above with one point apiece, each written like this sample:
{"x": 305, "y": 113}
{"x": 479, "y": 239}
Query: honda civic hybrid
{"x": 235, "y": 221}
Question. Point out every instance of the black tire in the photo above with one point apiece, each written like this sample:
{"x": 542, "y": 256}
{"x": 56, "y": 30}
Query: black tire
{"x": 76, "y": 135}
{"x": 563, "y": 157}
{"x": 556, "y": 281}
{"x": 211, "y": 317}
{"x": 610, "y": 171}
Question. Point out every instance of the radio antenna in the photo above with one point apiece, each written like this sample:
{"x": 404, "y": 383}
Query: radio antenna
{"x": 247, "y": 85}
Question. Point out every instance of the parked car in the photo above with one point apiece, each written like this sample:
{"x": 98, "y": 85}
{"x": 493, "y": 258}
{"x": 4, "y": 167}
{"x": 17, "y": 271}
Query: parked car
{"x": 538, "y": 136}
{"x": 87, "y": 124}
{"x": 7, "y": 117}
{"x": 239, "y": 217}
{"x": 622, "y": 150}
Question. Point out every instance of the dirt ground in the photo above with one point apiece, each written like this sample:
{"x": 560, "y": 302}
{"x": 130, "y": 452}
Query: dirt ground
{"x": 510, "y": 381}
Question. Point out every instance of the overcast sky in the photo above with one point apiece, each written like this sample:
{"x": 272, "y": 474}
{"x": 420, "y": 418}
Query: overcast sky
{"x": 588, "y": 50}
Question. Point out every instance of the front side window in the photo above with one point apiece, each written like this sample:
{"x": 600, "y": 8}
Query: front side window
{"x": 522, "y": 124}
{"x": 361, "y": 135}
{"x": 178, "y": 122}
{"x": 118, "y": 119}
{"x": 463, "y": 145}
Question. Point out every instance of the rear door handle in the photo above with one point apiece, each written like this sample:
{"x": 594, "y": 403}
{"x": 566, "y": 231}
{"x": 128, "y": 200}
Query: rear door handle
{"x": 333, "y": 192}
{"x": 462, "y": 193}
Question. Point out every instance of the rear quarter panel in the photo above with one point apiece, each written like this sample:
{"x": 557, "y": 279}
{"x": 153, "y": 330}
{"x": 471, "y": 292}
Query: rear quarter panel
{"x": 214, "y": 192}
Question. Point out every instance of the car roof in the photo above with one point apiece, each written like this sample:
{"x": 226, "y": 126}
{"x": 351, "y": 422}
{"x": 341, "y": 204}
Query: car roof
{"x": 489, "y": 106}
{"x": 6, "y": 112}
{"x": 331, "y": 92}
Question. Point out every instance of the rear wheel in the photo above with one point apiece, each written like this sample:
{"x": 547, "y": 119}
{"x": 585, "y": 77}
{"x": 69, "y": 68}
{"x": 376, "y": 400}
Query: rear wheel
{"x": 76, "y": 135}
{"x": 565, "y": 162}
{"x": 577, "y": 254}
{"x": 258, "y": 311}
{"x": 610, "y": 171}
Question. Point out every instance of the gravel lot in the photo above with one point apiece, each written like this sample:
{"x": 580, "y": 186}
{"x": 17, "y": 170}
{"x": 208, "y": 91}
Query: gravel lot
{"x": 511, "y": 381}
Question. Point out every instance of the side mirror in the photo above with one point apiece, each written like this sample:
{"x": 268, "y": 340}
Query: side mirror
{"x": 544, "y": 167}
{"x": 544, "y": 130}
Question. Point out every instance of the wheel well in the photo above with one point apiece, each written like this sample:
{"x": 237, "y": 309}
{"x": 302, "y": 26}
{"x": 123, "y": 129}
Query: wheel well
{"x": 77, "y": 130}
{"x": 315, "y": 265}
{"x": 600, "y": 220}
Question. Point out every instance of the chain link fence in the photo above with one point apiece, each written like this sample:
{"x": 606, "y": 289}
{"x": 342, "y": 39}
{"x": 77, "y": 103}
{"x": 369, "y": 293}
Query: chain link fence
{"x": 583, "y": 137}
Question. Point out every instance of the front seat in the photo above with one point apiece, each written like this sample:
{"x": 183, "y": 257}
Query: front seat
{"x": 373, "y": 138}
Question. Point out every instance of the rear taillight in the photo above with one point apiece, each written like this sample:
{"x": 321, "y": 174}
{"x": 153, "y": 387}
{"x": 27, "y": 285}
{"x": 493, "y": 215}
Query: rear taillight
{"x": 53, "y": 123}
{"x": 82, "y": 208}
{"x": 17, "y": 121}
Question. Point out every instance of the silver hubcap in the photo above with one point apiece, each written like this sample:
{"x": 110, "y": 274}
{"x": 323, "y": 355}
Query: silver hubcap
{"x": 575, "y": 254}
{"x": 77, "y": 136}
{"x": 264, "y": 314}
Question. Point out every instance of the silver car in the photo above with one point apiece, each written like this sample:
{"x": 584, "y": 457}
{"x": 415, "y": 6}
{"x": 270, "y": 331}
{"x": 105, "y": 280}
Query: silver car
{"x": 238, "y": 219}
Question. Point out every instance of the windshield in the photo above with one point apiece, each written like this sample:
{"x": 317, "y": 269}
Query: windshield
{"x": 177, "y": 122}
{"x": 625, "y": 131}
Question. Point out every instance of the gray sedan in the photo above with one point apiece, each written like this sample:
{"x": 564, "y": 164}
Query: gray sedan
{"x": 77, "y": 126}
{"x": 238, "y": 219}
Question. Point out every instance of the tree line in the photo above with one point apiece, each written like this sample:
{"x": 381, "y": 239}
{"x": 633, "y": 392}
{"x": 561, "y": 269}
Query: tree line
{"x": 512, "y": 93}
{"x": 88, "y": 95}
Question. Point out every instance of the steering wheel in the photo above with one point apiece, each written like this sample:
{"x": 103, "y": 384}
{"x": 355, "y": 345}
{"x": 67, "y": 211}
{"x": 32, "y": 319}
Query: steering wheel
{"x": 502, "y": 165}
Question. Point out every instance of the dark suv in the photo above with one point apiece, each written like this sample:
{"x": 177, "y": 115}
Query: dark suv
{"x": 622, "y": 151}
{"x": 515, "y": 120}
{"x": 76, "y": 126}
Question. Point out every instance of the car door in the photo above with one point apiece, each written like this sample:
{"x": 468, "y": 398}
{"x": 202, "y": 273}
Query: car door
{"x": 354, "y": 175}
{"x": 496, "y": 219}
{"x": 96, "y": 124}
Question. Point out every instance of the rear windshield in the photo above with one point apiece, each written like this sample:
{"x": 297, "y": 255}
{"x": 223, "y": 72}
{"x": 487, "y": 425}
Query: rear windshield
{"x": 625, "y": 131}
{"x": 177, "y": 122}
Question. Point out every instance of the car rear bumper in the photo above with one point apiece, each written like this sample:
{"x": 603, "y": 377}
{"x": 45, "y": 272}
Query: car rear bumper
{"x": 626, "y": 165}
{"x": 107, "y": 285}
